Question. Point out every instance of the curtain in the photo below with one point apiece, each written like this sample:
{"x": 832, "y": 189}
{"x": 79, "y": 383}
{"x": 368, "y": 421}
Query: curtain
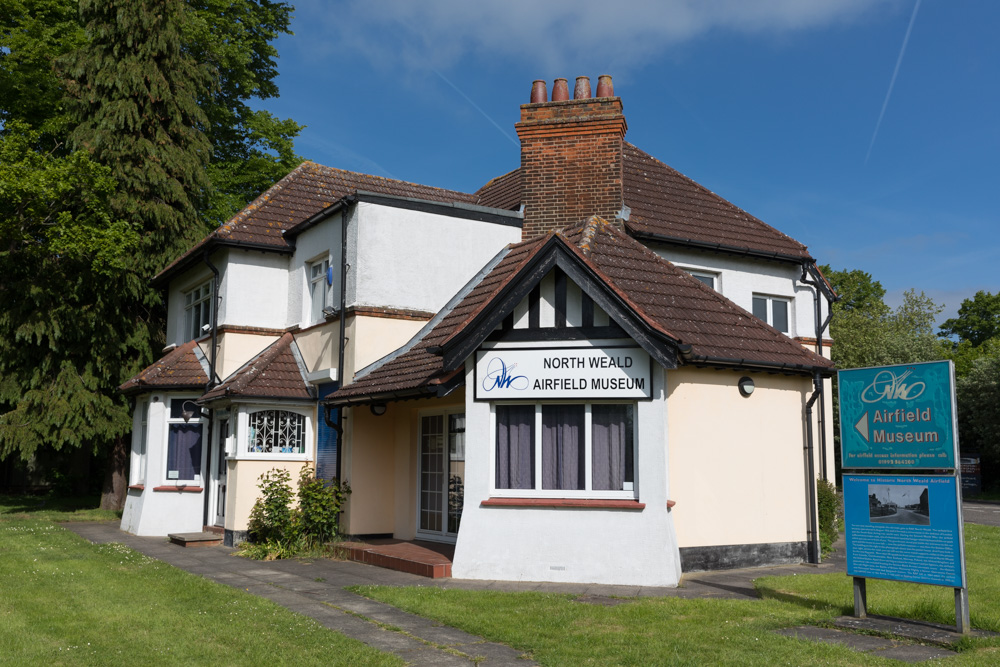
{"x": 611, "y": 440}
{"x": 515, "y": 447}
{"x": 562, "y": 447}
{"x": 184, "y": 451}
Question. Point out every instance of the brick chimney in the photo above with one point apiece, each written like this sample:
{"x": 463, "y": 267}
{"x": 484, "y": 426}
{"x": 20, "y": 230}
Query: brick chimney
{"x": 571, "y": 155}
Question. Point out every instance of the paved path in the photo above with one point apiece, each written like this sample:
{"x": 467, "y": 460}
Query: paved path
{"x": 987, "y": 514}
{"x": 316, "y": 589}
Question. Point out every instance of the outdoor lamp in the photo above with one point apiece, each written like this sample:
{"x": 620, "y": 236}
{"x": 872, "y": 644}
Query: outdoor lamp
{"x": 378, "y": 409}
{"x": 188, "y": 413}
{"x": 746, "y": 385}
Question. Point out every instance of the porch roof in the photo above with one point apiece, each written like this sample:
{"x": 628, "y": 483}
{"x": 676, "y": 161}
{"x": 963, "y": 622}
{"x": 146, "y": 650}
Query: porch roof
{"x": 184, "y": 367}
{"x": 277, "y": 372}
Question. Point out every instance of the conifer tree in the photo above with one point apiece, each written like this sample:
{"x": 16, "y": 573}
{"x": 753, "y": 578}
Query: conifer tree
{"x": 135, "y": 96}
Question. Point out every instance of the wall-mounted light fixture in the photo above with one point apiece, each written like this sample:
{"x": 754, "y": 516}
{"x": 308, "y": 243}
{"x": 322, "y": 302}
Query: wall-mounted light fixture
{"x": 377, "y": 409}
{"x": 746, "y": 385}
{"x": 189, "y": 412}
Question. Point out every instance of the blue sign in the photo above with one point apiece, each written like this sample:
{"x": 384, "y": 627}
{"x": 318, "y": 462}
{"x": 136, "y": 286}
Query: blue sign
{"x": 898, "y": 416}
{"x": 905, "y": 528}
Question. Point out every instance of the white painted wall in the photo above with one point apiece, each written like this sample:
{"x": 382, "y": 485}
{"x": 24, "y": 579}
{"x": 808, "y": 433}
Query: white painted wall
{"x": 254, "y": 290}
{"x": 323, "y": 240}
{"x": 739, "y": 278}
{"x": 416, "y": 260}
{"x": 625, "y": 547}
{"x": 153, "y": 513}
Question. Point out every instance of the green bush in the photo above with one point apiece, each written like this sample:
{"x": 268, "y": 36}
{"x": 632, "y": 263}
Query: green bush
{"x": 829, "y": 514}
{"x": 278, "y": 530}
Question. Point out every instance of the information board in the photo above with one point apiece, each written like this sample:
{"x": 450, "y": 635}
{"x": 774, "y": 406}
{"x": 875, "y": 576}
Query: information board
{"x": 905, "y": 528}
{"x": 898, "y": 416}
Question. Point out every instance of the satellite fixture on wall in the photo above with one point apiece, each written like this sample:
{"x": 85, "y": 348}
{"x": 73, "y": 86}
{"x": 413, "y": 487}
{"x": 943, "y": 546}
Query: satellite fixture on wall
{"x": 330, "y": 311}
{"x": 329, "y": 275}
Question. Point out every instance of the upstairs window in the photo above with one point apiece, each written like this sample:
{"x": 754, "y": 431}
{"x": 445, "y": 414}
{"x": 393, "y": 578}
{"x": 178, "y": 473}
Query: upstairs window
{"x": 710, "y": 279}
{"x": 319, "y": 289}
{"x": 773, "y": 310}
{"x": 198, "y": 311}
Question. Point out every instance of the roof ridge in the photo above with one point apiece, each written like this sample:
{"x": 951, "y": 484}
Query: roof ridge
{"x": 394, "y": 180}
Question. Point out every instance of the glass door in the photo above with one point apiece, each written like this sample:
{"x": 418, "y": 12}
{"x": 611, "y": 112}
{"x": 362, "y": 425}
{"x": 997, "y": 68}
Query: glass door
{"x": 219, "y": 471}
{"x": 441, "y": 476}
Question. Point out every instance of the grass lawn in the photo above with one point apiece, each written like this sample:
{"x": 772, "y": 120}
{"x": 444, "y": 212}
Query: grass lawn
{"x": 66, "y": 601}
{"x": 557, "y": 630}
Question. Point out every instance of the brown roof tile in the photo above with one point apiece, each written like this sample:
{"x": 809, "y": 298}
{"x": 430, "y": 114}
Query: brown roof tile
{"x": 666, "y": 203}
{"x": 668, "y": 299}
{"x": 307, "y": 190}
{"x": 184, "y": 367}
{"x": 276, "y": 373}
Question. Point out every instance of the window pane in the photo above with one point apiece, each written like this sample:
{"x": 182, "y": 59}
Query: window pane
{"x": 611, "y": 442}
{"x": 432, "y": 456}
{"x": 562, "y": 447}
{"x": 184, "y": 452}
{"x": 708, "y": 280}
{"x": 779, "y": 309}
{"x": 276, "y": 432}
{"x": 515, "y": 447}
{"x": 760, "y": 308}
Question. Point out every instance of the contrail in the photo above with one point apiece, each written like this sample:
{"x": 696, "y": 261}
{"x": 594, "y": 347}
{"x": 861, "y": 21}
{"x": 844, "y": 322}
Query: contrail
{"x": 892, "y": 82}
{"x": 476, "y": 107}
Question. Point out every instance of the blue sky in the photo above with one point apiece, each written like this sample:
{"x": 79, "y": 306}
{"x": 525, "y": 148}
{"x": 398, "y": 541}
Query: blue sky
{"x": 781, "y": 106}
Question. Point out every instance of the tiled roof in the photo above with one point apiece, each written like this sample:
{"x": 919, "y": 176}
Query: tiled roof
{"x": 184, "y": 367}
{"x": 502, "y": 192}
{"x": 307, "y": 190}
{"x": 277, "y": 372}
{"x": 666, "y": 203}
{"x": 703, "y": 324}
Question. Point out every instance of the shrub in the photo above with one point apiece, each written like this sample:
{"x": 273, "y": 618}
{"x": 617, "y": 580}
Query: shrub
{"x": 277, "y": 530}
{"x": 829, "y": 514}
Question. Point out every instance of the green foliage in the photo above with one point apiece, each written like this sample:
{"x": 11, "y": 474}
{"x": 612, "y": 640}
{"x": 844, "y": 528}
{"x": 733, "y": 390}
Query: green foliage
{"x": 829, "y": 514}
{"x": 278, "y": 530}
{"x": 979, "y": 405}
{"x": 271, "y": 516}
{"x": 978, "y": 319}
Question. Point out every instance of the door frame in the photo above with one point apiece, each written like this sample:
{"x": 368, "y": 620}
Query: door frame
{"x": 443, "y": 535}
{"x": 218, "y": 469}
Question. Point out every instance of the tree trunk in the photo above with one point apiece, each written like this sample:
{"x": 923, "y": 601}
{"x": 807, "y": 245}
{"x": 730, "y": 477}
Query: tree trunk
{"x": 116, "y": 478}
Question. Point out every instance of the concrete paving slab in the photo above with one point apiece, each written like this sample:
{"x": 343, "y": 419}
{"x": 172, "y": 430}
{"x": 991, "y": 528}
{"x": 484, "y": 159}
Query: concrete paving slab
{"x": 920, "y": 631}
{"x": 831, "y": 636}
{"x": 915, "y": 653}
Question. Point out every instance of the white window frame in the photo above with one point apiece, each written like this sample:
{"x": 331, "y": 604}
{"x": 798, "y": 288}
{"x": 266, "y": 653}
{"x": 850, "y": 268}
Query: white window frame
{"x": 700, "y": 274}
{"x": 173, "y": 421}
{"x": 140, "y": 446}
{"x": 241, "y": 422}
{"x": 587, "y": 492}
{"x": 445, "y": 414}
{"x": 319, "y": 288}
{"x": 197, "y": 310}
{"x": 771, "y": 299}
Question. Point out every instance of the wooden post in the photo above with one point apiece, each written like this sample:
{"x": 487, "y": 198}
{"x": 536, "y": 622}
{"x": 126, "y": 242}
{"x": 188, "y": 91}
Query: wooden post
{"x": 860, "y": 597}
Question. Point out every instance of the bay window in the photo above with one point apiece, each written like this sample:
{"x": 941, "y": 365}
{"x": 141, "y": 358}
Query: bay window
{"x": 184, "y": 440}
{"x": 276, "y": 432}
{"x": 565, "y": 449}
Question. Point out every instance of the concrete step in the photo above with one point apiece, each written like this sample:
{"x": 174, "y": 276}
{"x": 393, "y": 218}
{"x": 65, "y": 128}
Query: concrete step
{"x": 399, "y": 556}
{"x": 202, "y": 539}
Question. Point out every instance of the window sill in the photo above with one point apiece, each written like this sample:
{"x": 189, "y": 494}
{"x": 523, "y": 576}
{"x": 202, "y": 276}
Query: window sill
{"x": 584, "y": 503}
{"x": 136, "y": 487}
{"x": 179, "y": 489}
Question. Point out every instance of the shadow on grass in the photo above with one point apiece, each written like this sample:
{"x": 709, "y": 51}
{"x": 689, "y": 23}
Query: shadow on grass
{"x": 55, "y": 508}
{"x": 766, "y": 593}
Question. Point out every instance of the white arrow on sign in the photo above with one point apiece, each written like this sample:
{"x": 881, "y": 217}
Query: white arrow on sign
{"x": 862, "y": 426}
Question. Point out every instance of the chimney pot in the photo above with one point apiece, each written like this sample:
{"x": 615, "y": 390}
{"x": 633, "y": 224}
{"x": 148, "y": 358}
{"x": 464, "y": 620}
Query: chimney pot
{"x": 539, "y": 92}
{"x": 560, "y": 90}
{"x": 582, "y": 89}
{"x": 604, "y": 86}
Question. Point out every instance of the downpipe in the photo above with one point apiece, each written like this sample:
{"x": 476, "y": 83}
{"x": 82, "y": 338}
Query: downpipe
{"x": 814, "y": 544}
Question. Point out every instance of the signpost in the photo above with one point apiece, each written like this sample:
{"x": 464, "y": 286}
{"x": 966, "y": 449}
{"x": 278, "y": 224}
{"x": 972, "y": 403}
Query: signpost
{"x": 904, "y": 524}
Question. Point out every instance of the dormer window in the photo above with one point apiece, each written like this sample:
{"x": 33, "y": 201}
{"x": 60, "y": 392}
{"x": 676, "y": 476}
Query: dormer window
{"x": 319, "y": 289}
{"x": 198, "y": 311}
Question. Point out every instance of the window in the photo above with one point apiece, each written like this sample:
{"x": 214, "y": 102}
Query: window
{"x": 138, "y": 467}
{"x": 709, "y": 279}
{"x": 276, "y": 432}
{"x": 773, "y": 310}
{"x": 197, "y": 310}
{"x": 561, "y": 449}
{"x": 319, "y": 289}
{"x": 183, "y": 443}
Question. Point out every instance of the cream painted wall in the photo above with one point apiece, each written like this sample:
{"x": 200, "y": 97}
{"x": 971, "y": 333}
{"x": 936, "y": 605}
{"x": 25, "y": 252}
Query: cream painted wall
{"x": 737, "y": 465}
{"x": 371, "y": 338}
{"x": 235, "y": 349}
{"x": 318, "y": 346}
{"x": 242, "y": 488}
{"x": 368, "y": 464}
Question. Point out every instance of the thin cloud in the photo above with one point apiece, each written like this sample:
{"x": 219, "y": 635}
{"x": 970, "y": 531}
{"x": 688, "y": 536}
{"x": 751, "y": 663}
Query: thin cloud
{"x": 892, "y": 82}
{"x": 476, "y": 107}
{"x": 439, "y": 34}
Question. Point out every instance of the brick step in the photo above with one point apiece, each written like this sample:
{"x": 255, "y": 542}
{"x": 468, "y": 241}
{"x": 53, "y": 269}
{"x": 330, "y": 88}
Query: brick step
{"x": 402, "y": 557}
{"x": 203, "y": 539}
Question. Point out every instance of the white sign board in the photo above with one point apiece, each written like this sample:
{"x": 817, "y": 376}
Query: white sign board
{"x": 578, "y": 372}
